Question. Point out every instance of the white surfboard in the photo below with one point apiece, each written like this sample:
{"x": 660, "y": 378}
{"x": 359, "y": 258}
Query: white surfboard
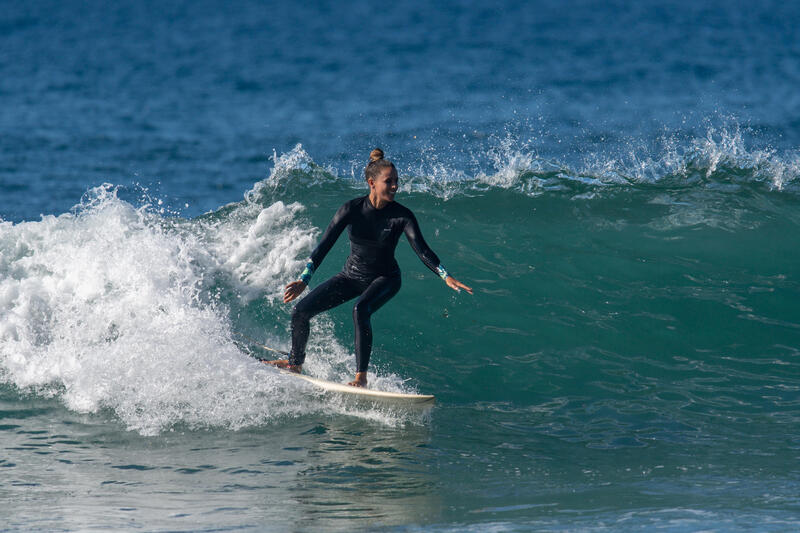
{"x": 363, "y": 393}
{"x": 399, "y": 398}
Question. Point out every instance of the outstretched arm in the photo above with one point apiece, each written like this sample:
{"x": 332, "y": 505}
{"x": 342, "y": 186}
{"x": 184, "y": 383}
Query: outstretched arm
{"x": 417, "y": 242}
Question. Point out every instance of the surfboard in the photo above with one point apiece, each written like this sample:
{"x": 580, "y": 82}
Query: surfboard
{"x": 363, "y": 393}
{"x": 360, "y": 393}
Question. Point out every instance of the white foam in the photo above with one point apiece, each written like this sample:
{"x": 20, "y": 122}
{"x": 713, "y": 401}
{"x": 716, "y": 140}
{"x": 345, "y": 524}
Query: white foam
{"x": 294, "y": 167}
{"x": 516, "y": 165}
{"x": 106, "y": 308}
{"x": 259, "y": 246}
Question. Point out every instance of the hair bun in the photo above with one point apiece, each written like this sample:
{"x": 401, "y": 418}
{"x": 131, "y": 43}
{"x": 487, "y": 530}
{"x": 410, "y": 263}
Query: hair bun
{"x": 375, "y": 155}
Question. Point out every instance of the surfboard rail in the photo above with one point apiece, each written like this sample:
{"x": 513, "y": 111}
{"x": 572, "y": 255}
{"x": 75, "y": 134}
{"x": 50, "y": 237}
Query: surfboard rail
{"x": 363, "y": 392}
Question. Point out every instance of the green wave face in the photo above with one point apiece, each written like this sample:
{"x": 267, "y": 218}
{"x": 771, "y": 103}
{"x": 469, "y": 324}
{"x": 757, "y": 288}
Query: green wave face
{"x": 664, "y": 294}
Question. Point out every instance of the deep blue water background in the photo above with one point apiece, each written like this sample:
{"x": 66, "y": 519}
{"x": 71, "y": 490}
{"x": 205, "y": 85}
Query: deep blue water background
{"x": 618, "y": 181}
{"x": 190, "y": 99}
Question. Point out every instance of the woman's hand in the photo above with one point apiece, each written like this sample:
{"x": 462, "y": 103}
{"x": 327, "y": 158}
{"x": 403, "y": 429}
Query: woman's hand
{"x": 456, "y": 285}
{"x": 293, "y": 290}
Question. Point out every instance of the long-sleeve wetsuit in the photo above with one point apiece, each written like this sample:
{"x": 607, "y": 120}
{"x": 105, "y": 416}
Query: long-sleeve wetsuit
{"x": 370, "y": 271}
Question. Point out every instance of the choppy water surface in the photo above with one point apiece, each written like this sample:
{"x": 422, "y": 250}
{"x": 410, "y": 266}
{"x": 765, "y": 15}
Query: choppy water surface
{"x": 618, "y": 184}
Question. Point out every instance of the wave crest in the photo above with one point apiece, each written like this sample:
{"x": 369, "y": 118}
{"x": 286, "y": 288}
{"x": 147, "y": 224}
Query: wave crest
{"x": 720, "y": 159}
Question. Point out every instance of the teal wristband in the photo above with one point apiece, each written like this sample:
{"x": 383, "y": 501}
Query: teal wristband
{"x": 305, "y": 277}
{"x": 442, "y": 271}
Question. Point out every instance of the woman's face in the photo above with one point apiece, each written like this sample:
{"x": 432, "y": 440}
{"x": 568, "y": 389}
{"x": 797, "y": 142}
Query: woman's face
{"x": 385, "y": 185}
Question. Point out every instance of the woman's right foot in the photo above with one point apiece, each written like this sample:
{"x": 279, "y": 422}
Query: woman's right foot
{"x": 284, "y": 364}
{"x": 360, "y": 381}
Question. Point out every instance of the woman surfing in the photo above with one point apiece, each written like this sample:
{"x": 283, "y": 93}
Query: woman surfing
{"x": 370, "y": 273}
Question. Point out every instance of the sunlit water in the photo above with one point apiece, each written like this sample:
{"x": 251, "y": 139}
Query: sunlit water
{"x": 619, "y": 184}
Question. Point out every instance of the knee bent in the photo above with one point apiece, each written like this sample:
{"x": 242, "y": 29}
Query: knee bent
{"x": 298, "y": 313}
{"x": 361, "y": 312}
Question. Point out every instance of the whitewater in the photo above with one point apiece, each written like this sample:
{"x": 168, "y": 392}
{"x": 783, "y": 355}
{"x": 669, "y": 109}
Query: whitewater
{"x": 618, "y": 183}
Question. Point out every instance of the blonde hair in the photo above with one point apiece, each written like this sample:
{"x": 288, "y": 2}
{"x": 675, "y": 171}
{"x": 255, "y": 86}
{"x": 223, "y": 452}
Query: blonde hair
{"x": 376, "y": 164}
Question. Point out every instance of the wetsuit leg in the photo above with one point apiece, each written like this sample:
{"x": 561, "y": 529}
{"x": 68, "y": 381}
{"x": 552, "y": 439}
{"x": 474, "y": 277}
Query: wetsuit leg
{"x": 327, "y": 295}
{"x": 378, "y": 293}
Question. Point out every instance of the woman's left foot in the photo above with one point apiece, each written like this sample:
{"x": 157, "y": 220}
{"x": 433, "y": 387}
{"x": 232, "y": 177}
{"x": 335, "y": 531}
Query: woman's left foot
{"x": 284, "y": 363}
{"x": 360, "y": 381}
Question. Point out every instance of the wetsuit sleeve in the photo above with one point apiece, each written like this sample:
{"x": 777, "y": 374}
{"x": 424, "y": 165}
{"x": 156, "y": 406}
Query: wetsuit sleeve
{"x": 414, "y": 236}
{"x": 340, "y": 221}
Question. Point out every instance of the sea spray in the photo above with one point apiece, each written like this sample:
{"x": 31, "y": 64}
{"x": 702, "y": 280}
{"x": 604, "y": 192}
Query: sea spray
{"x": 108, "y": 308}
{"x": 721, "y": 158}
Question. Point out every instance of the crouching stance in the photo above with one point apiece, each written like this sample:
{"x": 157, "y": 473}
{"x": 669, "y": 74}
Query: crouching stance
{"x": 370, "y": 273}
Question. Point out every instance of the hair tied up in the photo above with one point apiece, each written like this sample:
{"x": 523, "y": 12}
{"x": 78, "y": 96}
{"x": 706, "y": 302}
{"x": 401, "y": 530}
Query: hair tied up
{"x": 376, "y": 164}
{"x": 375, "y": 155}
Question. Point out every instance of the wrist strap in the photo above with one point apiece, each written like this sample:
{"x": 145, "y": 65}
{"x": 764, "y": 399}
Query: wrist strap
{"x": 442, "y": 271}
{"x": 305, "y": 277}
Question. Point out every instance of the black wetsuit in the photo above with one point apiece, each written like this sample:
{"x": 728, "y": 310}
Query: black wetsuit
{"x": 371, "y": 270}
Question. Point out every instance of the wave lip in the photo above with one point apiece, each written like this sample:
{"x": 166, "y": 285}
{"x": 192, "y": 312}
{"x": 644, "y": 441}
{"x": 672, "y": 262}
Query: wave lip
{"x": 719, "y": 161}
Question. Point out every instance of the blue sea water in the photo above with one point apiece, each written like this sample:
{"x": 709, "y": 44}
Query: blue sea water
{"x": 619, "y": 182}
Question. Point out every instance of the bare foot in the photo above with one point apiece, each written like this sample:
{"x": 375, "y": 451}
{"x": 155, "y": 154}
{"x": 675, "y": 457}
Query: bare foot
{"x": 284, "y": 364}
{"x": 360, "y": 381}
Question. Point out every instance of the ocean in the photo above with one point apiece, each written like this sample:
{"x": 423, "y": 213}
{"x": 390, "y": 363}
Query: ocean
{"x": 618, "y": 182}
